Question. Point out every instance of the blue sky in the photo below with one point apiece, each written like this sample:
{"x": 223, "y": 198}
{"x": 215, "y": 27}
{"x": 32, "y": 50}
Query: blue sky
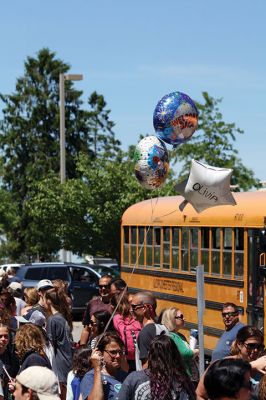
{"x": 136, "y": 52}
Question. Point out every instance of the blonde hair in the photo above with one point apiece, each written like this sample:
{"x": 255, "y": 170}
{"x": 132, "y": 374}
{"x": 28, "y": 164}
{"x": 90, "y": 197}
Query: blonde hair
{"x": 32, "y": 296}
{"x": 168, "y": 318}
{"x": 29, "y": 337}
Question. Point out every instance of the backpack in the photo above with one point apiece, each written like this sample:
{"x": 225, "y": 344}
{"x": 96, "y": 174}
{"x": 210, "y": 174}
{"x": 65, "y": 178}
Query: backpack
{"x": 128, "y": 330}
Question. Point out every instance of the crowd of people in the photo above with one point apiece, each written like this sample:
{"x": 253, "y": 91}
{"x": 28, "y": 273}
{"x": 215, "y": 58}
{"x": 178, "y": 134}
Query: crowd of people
{"x": 125, "y": 351}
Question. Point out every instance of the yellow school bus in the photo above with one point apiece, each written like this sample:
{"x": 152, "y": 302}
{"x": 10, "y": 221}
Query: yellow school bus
{"x": 161, "y": 247}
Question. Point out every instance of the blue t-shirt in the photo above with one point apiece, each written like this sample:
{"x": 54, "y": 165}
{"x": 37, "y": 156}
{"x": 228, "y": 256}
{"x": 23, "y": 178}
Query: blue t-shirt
{"x": 224, "y": 344}
{"x": 111, "y": 385}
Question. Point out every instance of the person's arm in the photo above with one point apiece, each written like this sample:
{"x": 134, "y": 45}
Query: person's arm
{"x": 85, "y": 334}
{"x": 183, "y": 347}
{"x": 69, "y": 392}
{"x": 96, "y": 392}
{"x": 259, "y": 365}
{"x": 86, "y": 331}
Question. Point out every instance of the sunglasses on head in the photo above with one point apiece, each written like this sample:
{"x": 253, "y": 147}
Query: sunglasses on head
{"x": 229, "y": 314}
{"x": 254, "y": 346}
{"x": 108, "y": 286}
{"x": 181, "y": 316}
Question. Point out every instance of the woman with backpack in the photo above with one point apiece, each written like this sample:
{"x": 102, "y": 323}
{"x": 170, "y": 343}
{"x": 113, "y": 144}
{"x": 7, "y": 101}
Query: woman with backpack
{"x": 127, "y": 327}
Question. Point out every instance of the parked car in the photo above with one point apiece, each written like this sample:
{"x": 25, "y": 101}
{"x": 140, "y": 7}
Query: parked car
{"x": 5, "y": 267}
{"x": 82, "y": 279}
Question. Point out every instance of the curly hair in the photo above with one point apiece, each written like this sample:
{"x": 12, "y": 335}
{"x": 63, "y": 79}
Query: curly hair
{"x": 5, "y": 317}
{"x": 262, "y": 388}
{"x": 29, "y": 337}
{"x": 107, "y": 338}
{"x": 166, "y": 370}
{"x": 31, "y": 296}
{"x": 81, "y": 361}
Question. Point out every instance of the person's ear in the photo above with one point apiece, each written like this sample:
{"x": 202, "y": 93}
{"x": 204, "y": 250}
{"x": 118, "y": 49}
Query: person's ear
{"x": 29, "y": 394}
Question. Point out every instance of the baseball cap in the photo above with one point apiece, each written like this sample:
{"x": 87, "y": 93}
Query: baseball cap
{"x": 36, "y": 318}
{"x": 41, "y": 380}
{"x": 44, "y": 284}
{"x": 15, "y": 286}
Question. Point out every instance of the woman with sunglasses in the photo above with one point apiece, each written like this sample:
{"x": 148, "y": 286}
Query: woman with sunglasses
{"x": 97, "y": 324}
{"x": 249, "y": 347}
{"x": 174, "y": 320}
{"x": 104, "y": 381}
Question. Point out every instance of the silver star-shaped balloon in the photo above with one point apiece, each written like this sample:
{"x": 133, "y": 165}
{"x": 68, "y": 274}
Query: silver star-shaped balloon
{"x": 206, "y": 187}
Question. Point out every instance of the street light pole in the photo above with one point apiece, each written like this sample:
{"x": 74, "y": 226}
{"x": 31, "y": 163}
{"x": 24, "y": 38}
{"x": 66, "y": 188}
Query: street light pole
{"x": 62, "y": 78}
{"x": 62, "y": 129}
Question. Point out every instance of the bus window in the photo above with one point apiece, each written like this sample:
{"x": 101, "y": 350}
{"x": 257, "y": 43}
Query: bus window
{"x": 157, "y": 247}
{"x": 166, "y": 248}
{"x": 184, "y": 249}
{"x": 133, "y": 246}
{"x": 194, "y": 248}
{"x": 175, "y": 247}
{"x": 227, "y": 251}
{"x": 141, "y": 246}
{"x": 215, "y": 251}
{"x": 149, "y": 247}
{"x": 205, "y": 251}
{"x": 239, "y": 252}
{"x": 126, "y": 244}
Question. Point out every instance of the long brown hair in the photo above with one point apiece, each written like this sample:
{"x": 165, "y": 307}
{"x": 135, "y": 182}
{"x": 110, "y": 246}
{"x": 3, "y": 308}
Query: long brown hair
{"x": 59, "y": 302}
{"x": 243, "y": 334}
{"x": 29, "y": 337}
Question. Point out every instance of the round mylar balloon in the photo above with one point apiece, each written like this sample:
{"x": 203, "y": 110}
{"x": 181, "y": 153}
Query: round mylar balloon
{"x": 175, "y": 118}
{"x": 152, "y": 163}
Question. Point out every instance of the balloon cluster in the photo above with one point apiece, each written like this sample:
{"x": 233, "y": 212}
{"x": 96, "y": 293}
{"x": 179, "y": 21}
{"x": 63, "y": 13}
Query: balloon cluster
{"x": 175, "y": 119}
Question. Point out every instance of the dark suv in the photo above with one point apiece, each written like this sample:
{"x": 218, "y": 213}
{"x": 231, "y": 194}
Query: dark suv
{"x": 82, "y": 280}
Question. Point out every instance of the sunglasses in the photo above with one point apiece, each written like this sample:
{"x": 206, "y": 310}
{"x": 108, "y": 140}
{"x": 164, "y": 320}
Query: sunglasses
{"x": 92, "y": 323}
{"x": 229, "y": 314}
{"x": 105, "y": 286}
{"x": 181, "y": 316}
{"x": 113, "y": 353}
{"x": 254, "y": 346}
{"x": 137, "y": 306}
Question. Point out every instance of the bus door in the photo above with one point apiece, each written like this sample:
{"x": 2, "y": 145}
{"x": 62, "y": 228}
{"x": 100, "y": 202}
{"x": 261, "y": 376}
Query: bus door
{"x": 255, "y": 307}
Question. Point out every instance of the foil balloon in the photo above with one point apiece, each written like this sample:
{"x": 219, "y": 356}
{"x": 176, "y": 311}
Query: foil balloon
{"x": 206, "y": 187}
{"x": 175, "y": 118}
{"x": 152, "y": 163}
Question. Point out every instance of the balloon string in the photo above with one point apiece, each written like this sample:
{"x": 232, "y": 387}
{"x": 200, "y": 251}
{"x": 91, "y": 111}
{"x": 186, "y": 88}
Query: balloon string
{"x": 131, "y": 274}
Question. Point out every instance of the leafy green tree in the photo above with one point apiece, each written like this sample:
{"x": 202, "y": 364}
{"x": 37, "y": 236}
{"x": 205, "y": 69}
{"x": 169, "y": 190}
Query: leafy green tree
{"x": 213, "y": 143}
{"x": 100, "y": 124}
{"x": 84, "y": 214}
{"x": 29, "y": 136}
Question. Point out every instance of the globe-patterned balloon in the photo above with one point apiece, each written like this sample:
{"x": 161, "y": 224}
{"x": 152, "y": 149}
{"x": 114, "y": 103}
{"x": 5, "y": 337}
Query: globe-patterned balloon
{"x": 152, "y": 163}
{"x": 175, "y": 118}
